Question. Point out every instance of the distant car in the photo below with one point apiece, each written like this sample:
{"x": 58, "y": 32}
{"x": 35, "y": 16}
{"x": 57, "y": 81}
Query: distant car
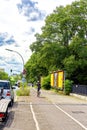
{"x": 6, "y": 91}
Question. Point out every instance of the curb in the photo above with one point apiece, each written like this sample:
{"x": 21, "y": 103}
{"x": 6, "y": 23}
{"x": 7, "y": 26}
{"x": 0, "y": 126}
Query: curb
{"x": 79, "y": 96}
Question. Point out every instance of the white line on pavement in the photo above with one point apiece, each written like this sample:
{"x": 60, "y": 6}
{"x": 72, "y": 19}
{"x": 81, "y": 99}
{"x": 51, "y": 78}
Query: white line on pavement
{"x": 34, "y": 117}
{"x": 85, "y": 128}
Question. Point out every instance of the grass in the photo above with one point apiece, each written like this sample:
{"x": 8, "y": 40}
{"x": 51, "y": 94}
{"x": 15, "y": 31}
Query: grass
{"x": 23, "y": 91}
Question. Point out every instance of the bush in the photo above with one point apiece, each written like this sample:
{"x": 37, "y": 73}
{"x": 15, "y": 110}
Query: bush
{"x": 67, "y": 87}
{"x": 46, "y": 82}
{"x": 23, "y": 91}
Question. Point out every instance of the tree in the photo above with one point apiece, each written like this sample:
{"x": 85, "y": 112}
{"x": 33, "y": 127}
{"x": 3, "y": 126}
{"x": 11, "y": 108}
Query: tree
{"x": 3, "y": 75}
{"x": 62, "y": 43}
{"x": 34, "y": 68}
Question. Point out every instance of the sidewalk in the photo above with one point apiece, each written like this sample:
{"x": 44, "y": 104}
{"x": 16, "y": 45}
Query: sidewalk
{"x": 53, "y": 97}
{"x": 58, "y": 98}
{"x": 79, "y": 96}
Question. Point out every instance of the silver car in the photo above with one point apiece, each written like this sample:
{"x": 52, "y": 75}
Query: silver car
{"x": 6, "y": 91}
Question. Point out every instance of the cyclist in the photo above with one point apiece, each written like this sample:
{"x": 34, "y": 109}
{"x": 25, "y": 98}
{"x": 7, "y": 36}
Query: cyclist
{"x": 38, "y": 88}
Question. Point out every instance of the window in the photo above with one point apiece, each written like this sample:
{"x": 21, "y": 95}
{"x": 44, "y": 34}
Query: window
{"x": 5, "y": 85}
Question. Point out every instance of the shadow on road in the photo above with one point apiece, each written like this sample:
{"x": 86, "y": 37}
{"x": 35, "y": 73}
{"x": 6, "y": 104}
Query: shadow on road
{"x": 8, "y": 121}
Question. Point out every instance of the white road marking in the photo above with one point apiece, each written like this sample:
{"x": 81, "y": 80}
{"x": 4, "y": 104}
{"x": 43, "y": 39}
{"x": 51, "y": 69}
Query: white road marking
{"x": 34, "y": 117}
{"x": 85, "y": 128}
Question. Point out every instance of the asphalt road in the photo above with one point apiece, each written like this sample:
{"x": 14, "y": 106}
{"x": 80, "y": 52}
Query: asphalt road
{"x": 49, "y": 112}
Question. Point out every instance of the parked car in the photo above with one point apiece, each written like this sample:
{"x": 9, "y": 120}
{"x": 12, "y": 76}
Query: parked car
{"x": 6, "y": 91}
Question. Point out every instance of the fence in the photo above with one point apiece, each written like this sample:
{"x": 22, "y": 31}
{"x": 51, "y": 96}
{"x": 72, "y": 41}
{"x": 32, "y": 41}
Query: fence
{"x": 79, "y": 89}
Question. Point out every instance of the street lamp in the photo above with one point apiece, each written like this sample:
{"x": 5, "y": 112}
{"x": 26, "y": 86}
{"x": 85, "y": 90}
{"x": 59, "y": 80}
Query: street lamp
{"x": 18, "y": 54}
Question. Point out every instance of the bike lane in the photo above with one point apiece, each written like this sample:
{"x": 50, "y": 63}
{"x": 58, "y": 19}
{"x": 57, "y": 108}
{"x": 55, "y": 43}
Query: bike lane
{"x": 53, "y": 116}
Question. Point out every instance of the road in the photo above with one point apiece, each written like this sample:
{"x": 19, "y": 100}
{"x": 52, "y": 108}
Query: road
{"x": 49, "y": 112}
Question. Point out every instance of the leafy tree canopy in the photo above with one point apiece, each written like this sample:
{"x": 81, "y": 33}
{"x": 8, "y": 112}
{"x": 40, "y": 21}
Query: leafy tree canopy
{"x": 62, "y": 44}
{"x": 3, "y": 75}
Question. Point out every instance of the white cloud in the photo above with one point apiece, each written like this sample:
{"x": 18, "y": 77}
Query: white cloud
{"x": 50, "y": 5}
{"x": 17, "y": 25}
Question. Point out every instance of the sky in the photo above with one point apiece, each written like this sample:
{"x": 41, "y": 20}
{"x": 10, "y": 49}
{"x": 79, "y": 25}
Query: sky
{"x": 20, "y": 20}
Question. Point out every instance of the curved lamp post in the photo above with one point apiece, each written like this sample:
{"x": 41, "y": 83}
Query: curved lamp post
{"x": 18, "y": 54}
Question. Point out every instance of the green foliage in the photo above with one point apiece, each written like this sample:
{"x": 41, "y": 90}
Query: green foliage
{"x": 46, "y": 82}
{"x": 3, "y": 75}
{"x": 23, "y": 91}
{"x": 12, "y": 80}
{"x": 34, "y": 68}
{"x": 17, "y": 77}
{"x": 62, "y": 44}
{"x": 67, "y": 87}
{"x": 70, "y": 65}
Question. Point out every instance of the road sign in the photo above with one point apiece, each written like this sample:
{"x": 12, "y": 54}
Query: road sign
{"x": 23, "y": 80}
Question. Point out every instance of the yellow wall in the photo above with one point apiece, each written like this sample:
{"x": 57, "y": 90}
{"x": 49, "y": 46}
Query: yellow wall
{"x": 60, "y": 79}
{"x": 57, "y": 79}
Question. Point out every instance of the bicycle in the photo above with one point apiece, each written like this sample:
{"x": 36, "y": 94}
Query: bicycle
{"x": 38, "y": 93}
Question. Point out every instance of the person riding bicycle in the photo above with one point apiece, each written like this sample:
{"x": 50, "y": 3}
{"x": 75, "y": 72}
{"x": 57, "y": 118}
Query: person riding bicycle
{"x": 38, "y": 88}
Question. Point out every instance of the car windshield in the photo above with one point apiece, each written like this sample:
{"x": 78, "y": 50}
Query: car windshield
{"x": 5, "y": 85}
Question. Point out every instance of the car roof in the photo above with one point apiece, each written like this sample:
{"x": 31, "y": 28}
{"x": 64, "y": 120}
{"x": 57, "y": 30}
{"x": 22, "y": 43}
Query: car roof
{"x": 4, "y": 81}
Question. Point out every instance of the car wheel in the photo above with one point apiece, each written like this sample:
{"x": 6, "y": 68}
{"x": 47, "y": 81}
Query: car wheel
{"x": 11, "y": 103}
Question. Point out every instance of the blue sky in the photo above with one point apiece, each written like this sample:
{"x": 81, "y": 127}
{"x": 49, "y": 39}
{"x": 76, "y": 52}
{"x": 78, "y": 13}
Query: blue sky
{"x": 20, "y": 20}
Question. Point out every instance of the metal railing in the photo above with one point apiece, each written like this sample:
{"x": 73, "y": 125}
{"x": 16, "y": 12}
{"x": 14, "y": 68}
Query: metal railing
{"x": 79, "y": 89}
